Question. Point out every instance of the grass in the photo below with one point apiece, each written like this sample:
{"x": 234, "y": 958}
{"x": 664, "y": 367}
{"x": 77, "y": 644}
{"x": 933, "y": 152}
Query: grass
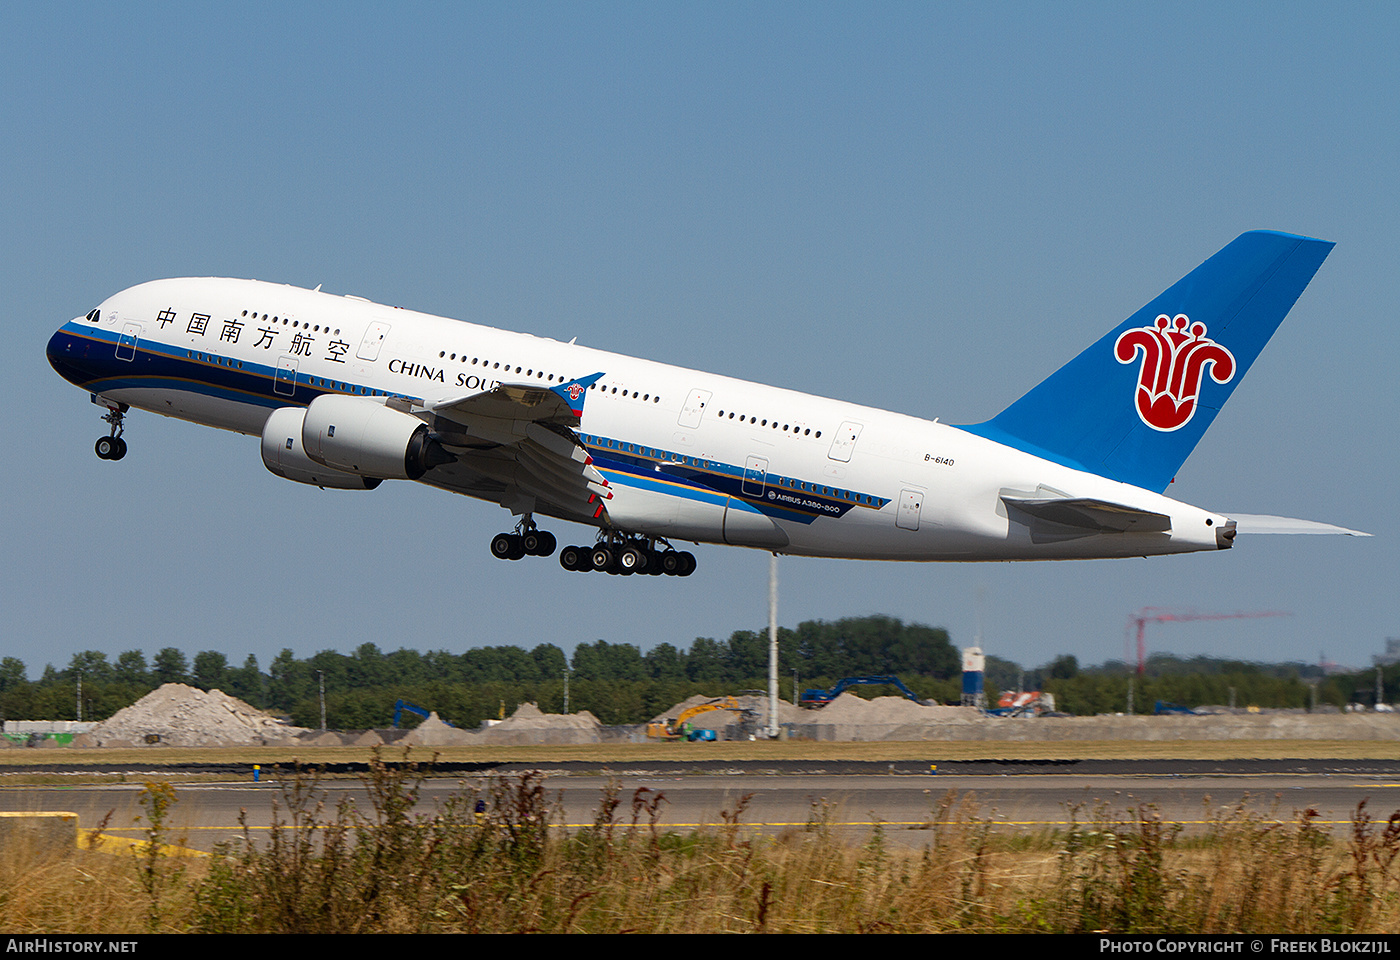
{"x": 492, "y": 859}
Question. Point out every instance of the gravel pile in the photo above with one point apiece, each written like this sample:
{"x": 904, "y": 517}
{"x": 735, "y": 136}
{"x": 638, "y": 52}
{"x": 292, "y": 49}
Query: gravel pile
{"x": 849, "y": 708}
{"x": 436, "y": 732}
{"x": 528, "y": 724}
{"x": 184, "y": 716}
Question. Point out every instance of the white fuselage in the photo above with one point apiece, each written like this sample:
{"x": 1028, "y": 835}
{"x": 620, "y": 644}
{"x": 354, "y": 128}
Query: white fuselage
{"x": 689, "y": 455}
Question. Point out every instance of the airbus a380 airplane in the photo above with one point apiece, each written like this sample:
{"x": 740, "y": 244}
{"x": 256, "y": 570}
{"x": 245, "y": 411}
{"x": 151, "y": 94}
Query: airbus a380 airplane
{"x": 347, "y": 393}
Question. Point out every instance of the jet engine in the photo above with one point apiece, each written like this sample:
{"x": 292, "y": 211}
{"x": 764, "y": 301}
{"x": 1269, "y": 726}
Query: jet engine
{"x": 282, "y": 453}
{"x": 362, "y": 436}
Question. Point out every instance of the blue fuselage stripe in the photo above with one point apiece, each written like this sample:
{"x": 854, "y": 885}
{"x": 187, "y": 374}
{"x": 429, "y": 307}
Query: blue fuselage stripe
{"x": 89, "y": 358}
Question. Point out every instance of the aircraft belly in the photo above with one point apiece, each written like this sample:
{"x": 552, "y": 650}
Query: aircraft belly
{"x": 746, "y": 527}
{"x": 697, "y": 517}
{"x": 196, "y": 407}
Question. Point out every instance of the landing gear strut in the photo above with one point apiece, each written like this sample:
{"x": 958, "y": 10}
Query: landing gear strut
{"x": 112, "y": 446}
{"x": 526, "y": 541}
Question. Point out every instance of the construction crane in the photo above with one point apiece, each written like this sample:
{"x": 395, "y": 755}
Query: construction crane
{"x": 1160, "y": 615}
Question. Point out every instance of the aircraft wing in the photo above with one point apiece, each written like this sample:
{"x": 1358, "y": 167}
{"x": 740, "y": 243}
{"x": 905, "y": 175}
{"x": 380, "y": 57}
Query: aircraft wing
{"x": 1257, "y": 523}
{"x": 561, "y": 405}
{"x": 521, "y": 439}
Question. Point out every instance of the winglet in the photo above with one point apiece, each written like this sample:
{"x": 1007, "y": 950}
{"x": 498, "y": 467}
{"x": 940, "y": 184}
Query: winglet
{"x": 575, "y": 391}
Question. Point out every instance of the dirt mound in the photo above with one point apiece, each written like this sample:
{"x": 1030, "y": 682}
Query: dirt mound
{"x": 529, "y": 724}
{"x": 436, "y": 732}
{"x": 849, "y": 708}
{"x": 185, "y": 716}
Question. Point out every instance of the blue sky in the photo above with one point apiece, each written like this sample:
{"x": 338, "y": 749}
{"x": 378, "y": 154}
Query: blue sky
{"x": 921, "y": 207}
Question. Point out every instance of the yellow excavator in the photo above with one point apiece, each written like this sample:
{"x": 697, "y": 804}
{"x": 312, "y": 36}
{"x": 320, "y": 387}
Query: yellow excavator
{"x": 679, "y": 728}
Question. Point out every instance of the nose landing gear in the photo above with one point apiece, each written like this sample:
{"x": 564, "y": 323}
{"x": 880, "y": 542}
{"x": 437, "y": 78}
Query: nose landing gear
{"x": 112, "y": 446}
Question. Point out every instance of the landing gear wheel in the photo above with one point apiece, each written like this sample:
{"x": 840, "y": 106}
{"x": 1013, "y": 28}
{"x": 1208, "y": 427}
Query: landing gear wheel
{"x": 687, "y": 564}
{"x": 110, "y": 448}
{"x": 507, "y": 546}
{"x": 575, "y": 558}
{"x": 631, "y": 560}
{"x": 601, "y": 558}
{"x": 539, "y": 543}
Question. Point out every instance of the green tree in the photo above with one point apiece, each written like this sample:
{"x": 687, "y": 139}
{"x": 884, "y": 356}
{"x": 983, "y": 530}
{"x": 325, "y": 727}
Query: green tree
{"x": 247, "y": 683}
{"x": 170, "y": 666}
{"x": 131, "y": 668}
{"x": 92, "y": 665}
{"x": 550, "y": 661}
{"x": 289, "y": 681}
{"x": 1064, "y": 667}
{"x": 664, "y": 662}
{"x": 210, "y": 670}
{"x": 368, "y": 667}
{"x": 12, "y": 673}
{"x": 704, "y": 663}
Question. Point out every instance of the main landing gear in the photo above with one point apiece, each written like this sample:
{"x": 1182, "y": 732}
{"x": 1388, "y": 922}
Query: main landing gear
{"x": 626, "y": 556}
{"x": 112, "y": 446}
{"x": 613, "y": 553}
{"x": 526, "y": 541}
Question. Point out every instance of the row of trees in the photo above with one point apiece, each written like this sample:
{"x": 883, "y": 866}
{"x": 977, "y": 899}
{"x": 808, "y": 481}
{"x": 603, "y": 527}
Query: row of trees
{"x": 615, "y": 681}
{"x": 622, "y": 684}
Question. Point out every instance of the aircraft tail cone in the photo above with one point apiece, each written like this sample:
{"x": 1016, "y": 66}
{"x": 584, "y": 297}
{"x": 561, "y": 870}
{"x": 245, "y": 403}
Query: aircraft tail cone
{"x": 1225, "y": 535}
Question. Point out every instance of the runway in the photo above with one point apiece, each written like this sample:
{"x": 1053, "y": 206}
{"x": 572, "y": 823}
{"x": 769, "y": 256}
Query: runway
{"x": 904, "y": 799}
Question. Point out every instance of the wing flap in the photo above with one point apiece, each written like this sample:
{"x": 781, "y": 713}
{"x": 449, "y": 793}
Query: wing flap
{"x": 522, "y": 435}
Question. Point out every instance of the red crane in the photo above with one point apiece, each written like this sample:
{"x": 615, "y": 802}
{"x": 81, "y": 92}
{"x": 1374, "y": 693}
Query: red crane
{"x": 1159, "y": 615}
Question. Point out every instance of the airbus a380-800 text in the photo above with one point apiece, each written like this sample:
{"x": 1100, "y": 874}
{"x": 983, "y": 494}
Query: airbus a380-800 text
{"x": 346, "y": 393}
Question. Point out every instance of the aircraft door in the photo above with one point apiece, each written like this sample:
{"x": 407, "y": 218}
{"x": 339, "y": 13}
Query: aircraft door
{"x": 126, "y": 341}
{"x": 911, "y": 502}
{"x": 694, "y": 408}
{"x": 845, "y": 442}
{"x": 374, "y": 339}
{"x": 285, "y": 383}
{"x": 755, "y": 476}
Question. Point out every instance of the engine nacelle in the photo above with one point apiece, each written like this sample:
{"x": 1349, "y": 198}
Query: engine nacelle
{"x": 363, "y": 436}
{"x": 282, "y": 453}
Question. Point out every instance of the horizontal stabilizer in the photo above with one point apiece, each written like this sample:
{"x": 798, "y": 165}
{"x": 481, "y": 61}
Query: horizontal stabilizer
{"x": 1256, "y": 523}
{"x": 1098, "y": 516}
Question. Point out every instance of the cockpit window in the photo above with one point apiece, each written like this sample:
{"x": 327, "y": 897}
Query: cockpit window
{"x": 95, "y": 315}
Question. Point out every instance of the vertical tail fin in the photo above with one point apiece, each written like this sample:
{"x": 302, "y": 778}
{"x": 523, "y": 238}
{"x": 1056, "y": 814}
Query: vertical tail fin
{"x": 1133, "y": 406}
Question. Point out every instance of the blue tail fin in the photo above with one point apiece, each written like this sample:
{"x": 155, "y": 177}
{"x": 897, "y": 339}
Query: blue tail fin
{"x": 1134, "y": 405}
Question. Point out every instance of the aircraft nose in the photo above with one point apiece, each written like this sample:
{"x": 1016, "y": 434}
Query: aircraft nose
{"x": 64, "y": 351}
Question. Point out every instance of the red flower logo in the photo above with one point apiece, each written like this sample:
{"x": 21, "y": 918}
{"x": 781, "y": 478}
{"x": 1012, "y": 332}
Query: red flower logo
{"x": 1175, "y": 354}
